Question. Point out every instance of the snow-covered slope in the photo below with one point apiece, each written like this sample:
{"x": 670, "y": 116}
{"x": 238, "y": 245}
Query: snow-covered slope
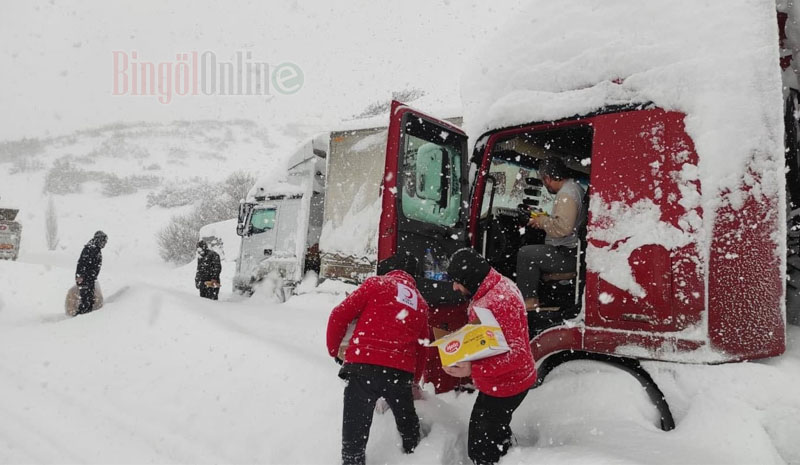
{"x": 127, "y": 179}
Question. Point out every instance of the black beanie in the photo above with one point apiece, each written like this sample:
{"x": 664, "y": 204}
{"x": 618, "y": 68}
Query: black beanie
{"x": 399, "y": 261}
{"x": 468, "y": 268}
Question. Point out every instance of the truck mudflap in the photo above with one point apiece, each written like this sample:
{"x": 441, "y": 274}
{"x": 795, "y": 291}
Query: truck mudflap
{"x": 630, "y": 365}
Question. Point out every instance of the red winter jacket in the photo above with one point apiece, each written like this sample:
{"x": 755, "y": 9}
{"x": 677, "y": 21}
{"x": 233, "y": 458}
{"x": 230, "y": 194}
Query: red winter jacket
{"x": 392, "y": 320}
{"x": 510, "y": 373}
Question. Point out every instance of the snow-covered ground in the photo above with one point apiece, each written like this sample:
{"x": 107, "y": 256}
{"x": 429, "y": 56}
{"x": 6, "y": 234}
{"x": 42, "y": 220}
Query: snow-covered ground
{"x": 161, "y": 376}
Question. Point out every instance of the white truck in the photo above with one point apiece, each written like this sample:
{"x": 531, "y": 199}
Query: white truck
{"x": 280, "y": 223}
{"x": 324, "y": 217}
{"x": 10, "y": 234}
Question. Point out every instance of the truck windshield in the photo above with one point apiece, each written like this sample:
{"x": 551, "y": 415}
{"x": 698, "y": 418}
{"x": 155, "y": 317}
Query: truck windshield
{"x": 262, "y": 220}
{"x": 511, "y": 174}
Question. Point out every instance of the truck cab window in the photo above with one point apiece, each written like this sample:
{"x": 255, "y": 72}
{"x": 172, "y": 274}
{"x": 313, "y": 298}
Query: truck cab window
{"x": 431, "y": 181}
{"x": 262, "y": 220}
{"x": 513, "y": 173}
{"x": 518, "y": 187}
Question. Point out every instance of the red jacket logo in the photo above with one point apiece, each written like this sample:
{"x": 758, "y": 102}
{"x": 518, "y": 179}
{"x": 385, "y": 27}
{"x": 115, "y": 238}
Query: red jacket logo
{"x": 452, "y": 347}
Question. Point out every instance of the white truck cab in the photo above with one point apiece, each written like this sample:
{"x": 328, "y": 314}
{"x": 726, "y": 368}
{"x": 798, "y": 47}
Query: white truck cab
{"x": 280, "y": 222}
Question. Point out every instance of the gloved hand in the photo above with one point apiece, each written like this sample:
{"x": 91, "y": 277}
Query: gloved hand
{"x": 338, "y": 360}
{"x": 78, "y": 280}
{"x": 417, "y": 392}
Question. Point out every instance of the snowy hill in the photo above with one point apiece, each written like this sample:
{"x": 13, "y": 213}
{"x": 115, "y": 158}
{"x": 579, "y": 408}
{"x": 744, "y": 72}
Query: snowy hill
{"x": 128, "y": 179}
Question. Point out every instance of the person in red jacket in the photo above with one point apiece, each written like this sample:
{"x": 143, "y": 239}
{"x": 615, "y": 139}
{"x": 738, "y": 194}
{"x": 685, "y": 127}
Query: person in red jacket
{"x": 385, "y": 355}
{"x": 502, "y": 380}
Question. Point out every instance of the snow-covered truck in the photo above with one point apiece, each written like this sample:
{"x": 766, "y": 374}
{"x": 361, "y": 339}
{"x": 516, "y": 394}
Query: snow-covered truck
{"x": 288, "y": 227}
{"x": 680, "y": 121}
{"x": 357, "y": 171}
{"x": 10, "y": 234}
{"x": 280, "y": 223}
{"x": 673, "y": 117}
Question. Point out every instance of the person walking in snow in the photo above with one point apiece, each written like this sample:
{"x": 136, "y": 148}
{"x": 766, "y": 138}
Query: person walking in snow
{"x": 88, "y": 269}
{"x": 208, "y": 269}
{"x": 502, "y": 380}
{"x": 385, "y": 355}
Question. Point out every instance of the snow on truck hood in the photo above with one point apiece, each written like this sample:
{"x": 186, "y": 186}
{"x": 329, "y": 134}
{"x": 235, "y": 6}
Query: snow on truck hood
{"x": 714, "y": 61}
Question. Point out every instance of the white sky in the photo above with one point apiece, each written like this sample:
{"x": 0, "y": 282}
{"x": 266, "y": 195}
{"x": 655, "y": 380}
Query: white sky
{"x": 56, "y": 63}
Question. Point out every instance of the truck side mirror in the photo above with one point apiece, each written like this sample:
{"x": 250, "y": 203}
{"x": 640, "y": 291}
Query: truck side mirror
{"x": 433, "y": 174}
{"x": 243, "y": 227}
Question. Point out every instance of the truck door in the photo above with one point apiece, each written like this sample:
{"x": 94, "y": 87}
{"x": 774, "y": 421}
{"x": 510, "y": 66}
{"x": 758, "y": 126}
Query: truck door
{"x": 424, "y": 197}
{"x": 258, "y": 240}
{"x": 644, "y": 269}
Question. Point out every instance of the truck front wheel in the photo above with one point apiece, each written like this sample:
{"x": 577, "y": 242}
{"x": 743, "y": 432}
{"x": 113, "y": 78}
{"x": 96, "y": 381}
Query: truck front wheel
{"x": 630, "y": 365}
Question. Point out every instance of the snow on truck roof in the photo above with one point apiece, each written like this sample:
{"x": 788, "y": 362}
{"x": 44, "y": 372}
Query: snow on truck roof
{"x": 8, "y": 214}
{"x": 276, "y": 182}
{"x": 426, "y": 105}
{"x": 714, "y": 61}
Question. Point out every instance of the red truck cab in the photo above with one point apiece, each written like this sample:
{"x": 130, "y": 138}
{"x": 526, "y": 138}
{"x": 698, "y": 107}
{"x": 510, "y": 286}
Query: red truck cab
{"x": 683, "y": 256}
{"x": 647, "y": 288}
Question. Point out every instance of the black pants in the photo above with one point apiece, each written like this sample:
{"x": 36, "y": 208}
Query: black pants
{"x": 365, "y": 384}
{"x": 490, "y": 427}
{"x": 533, "y": 260}
{"x": 209, "y": 292}
{"x": 86, "y": 291}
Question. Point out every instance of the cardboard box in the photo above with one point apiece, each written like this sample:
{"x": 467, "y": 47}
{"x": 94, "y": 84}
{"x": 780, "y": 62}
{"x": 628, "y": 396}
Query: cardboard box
{"x": 477, "y": 339}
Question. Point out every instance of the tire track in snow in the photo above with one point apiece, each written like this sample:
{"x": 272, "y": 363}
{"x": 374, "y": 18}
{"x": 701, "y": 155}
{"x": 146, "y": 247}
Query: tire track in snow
{"x": 223, "y": 318}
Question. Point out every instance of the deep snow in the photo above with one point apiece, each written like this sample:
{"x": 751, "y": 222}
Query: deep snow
{"x": 159, "y": 375}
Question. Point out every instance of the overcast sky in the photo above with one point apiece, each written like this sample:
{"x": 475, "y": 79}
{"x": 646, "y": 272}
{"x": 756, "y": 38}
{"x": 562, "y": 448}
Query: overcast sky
{"x": 57, "y": 71}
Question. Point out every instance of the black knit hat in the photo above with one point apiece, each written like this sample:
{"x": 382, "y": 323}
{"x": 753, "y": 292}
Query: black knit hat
{"x": 100, "y": 239}
{"x": 468, "y": 268}
{"x": 399, "y": 261}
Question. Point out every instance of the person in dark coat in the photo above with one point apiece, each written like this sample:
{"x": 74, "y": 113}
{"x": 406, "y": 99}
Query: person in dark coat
{"x": 208, "y": 270}
{"x": 88, "y": 269}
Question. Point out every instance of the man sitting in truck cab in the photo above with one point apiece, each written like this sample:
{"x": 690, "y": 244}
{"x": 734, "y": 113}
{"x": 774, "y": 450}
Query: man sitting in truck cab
{"x": 558, "y": 253}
